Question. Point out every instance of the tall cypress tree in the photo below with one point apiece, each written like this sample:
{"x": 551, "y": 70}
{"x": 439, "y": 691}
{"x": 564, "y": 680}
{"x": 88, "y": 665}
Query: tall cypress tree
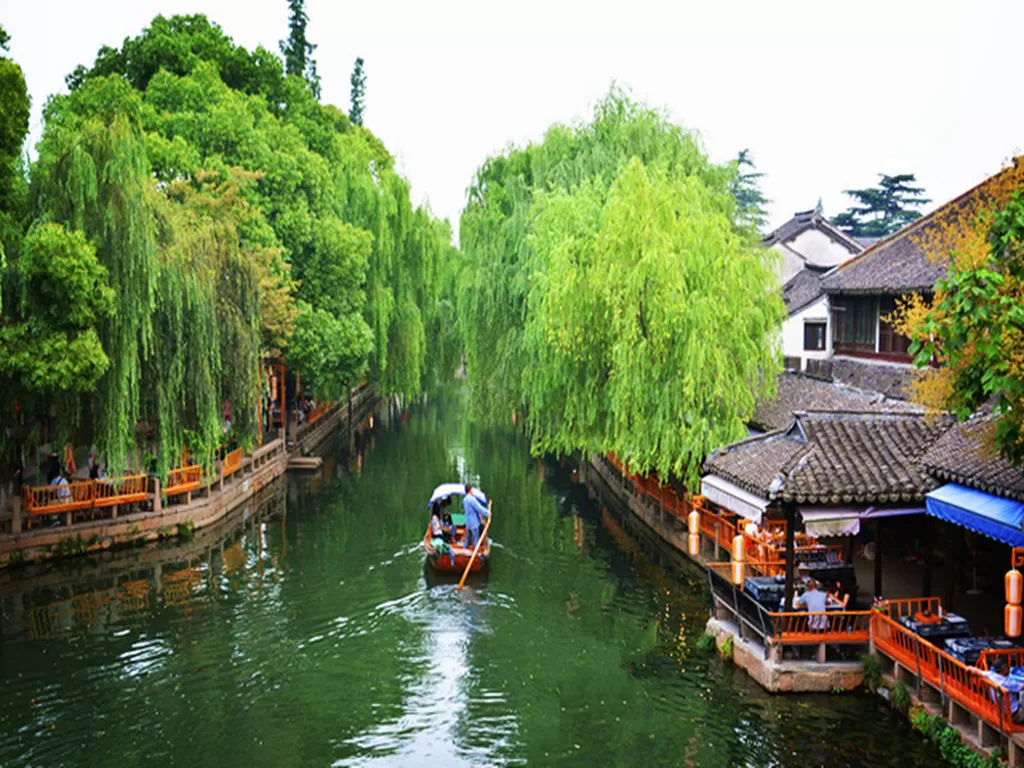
{"x": 883, "y": 209}
{"x": 297, "y": 50}
{"x": 746, "y": 188}
{"x": 358, "y": 82}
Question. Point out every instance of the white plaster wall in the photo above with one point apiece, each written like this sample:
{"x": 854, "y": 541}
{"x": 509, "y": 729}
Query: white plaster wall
{"x": 792, "y": 262}
{"x": 793, "y": 332}
{"x": 819, "y": 249}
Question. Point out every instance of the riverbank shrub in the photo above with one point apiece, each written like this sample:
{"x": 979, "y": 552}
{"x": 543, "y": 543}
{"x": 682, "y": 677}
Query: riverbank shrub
{"x": 706, "y": 643}
{"x": 899, "y": 698}
{"x": 726, "y": 649}
{"x": 957, "y": 754}
{"x": 872, "y": 671}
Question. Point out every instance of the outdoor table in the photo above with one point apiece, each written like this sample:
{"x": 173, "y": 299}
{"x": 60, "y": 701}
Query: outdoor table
{"x": 938, "y": 631}
{"x": 968, "y": 649}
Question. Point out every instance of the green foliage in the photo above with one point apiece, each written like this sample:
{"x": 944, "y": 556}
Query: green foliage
{"x": 607, "y": 290}
{"x": 727, "y": 646}
{"x": 53, "y": 346}
{"x": 957, "y": 754}
{"x": 297, "y": 50}
{"x": 883, "y": 209}
{"x": 899, "y": 698}
{"x": 706, "y": 643}
{"x": 872, "y": 671}
{"x": 746, "y": 188}
{"x": 358, "y": 83}
{"x": 186, "y": 531}
{"x": 977, "y": 326}
{"x": 14, "y": 114}
{"x": 331, "y": 351}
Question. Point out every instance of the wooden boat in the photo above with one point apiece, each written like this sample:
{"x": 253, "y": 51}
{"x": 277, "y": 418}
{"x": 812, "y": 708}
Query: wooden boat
{"x": 442, "y": 563}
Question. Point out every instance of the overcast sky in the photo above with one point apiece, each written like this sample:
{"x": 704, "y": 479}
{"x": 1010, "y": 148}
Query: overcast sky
{"x": 826, "y": 94}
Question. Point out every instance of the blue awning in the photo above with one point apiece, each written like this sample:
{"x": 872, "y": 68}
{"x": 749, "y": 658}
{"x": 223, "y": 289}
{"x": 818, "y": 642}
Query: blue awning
{"x": 993, "y": 516}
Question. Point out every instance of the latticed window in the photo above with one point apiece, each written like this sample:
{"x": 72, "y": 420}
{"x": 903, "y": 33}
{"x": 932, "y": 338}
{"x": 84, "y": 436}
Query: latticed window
{"x": 854, "y": 320}
{"x": 814, "y": 336}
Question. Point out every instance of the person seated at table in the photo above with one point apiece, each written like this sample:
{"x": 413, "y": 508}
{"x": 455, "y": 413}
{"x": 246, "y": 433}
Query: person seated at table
{"x": 815, "y": 601}
{"x": 839, "y": 594}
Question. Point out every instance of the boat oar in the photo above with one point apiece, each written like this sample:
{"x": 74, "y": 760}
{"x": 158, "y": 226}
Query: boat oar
{"x": 483, "y": 538}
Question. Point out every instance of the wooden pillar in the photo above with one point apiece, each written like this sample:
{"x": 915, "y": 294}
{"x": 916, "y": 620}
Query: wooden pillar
{"x": 878, "y": 557}
{"x": 790, "y": 510}
{"x": 927, "y": 544}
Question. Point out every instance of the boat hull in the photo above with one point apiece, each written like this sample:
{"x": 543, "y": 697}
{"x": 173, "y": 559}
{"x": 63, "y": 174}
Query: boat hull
{"x": 442, "y": 563}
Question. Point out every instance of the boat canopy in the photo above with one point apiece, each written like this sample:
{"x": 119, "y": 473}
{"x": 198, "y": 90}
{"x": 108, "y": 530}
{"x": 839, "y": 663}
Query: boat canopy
{"x": 446, "y": 490}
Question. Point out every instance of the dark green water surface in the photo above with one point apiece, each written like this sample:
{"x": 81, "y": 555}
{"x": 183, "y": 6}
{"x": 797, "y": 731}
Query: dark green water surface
{"x": 305, "y": 631}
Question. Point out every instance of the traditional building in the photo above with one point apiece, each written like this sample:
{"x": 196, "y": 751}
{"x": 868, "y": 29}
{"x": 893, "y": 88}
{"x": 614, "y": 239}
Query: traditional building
{"x": 810, "y": 246}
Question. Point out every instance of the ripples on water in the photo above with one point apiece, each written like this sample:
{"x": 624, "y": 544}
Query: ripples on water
{"x": 307, "y": 631}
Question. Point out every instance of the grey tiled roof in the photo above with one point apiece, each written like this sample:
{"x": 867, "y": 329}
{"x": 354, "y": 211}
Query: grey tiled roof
{"x": 755, "y": 463}
{"x": 801, "y": 222}
{"x": 833, "y": 458}
{"x": 889, "y": 379}
{"x": 863, "y": 459}
{"x": 797, "y": 392}
{"x": 802, "y": 289}
{"x": 966, "y": 455}
{"x": 897, "y": 264}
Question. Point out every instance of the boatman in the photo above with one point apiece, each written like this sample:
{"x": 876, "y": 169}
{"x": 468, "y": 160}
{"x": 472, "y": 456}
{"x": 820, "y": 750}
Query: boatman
{"x": 475, "y": 513}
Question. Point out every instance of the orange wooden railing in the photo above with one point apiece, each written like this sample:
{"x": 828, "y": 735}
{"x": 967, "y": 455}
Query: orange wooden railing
{"x": 183, "y": 480}
{"x": 318, "y": 411}
{"x": 966, "y": 685}
{"x": 912, "y": 606}
{"x": 232, "y": 462}
{"x": 52, "y": 499}
{"x": 119, "y": 490}
{"x": 831, "y": 627}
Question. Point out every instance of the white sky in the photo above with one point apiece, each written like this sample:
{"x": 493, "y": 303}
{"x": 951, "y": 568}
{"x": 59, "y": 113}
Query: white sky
{"x": 825, "y": 93}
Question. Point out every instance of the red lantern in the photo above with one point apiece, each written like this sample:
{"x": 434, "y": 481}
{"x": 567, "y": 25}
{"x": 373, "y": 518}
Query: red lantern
{"x": 1014, "y": 587}
{"x": 1012, "y": 616}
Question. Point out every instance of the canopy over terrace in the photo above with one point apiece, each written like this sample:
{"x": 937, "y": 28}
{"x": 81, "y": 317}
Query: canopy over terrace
{"x": 835, "y": 469}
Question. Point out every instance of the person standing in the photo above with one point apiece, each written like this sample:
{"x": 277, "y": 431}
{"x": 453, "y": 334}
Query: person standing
{"x": 475, "y": 513}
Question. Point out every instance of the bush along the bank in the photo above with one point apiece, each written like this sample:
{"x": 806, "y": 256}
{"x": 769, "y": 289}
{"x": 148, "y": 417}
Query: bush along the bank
{"x": 899, "y": 698}
{"x": 726, "y": 650}
{"x": 872, "y": 671}
{"x": 951, "y": 746}
{"x": 706, "y": 643}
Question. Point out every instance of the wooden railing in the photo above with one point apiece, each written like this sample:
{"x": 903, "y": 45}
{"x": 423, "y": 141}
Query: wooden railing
{"x": 966, "y": 685}
{"x": 83, "y": 494}
{"x": 836, "y": 627}
{"x": 318, "y": 411}
{"x": 52, "y": 499}
{"x": 232, "y": 462}
{"x": 183, "y": 479}
{"x": 928, "y": 606}
{"x": 994, "y": 658}
{"x": 119, "y": 490}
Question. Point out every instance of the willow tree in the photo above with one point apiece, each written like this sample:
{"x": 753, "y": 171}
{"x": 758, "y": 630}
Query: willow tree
{"x": 608, "y": 293}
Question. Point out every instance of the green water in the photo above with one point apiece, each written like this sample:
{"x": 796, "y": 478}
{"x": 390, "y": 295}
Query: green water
{"x": 306, "y": 631}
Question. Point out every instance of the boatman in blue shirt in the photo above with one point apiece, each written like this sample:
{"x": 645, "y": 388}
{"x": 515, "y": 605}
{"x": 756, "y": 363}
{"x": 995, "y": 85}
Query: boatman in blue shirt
{"x": 475, "y": 513}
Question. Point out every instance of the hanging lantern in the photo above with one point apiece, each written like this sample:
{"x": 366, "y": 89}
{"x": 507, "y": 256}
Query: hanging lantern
{"x": 737, "y": 573}
{"x": 694, "y": 540}
{"x": 694, "y": 522}
{"x": 1014, "y": 587}
{"x": 1012, "y": 616}
{"x": 738, "y": 548}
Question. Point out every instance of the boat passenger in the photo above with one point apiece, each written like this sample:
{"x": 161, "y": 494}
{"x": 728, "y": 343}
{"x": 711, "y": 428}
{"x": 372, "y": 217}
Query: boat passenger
{"x": 438, "y": 530}
{"x": 475, "y": 513}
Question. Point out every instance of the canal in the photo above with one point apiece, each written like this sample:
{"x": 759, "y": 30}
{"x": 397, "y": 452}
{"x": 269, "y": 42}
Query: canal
{"x": 306, "y": 631}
